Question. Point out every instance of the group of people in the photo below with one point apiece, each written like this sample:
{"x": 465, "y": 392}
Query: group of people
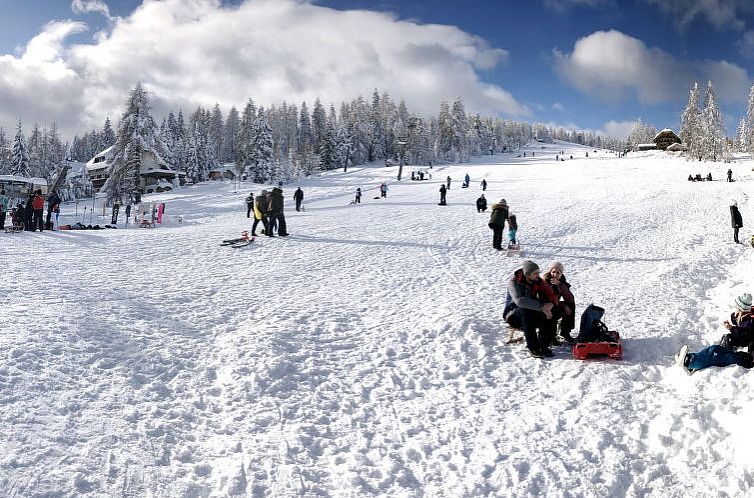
{"x": 268, "y": 208}
{"x": 535, "y": 304}
{"x": 698, "y": 178}
{"x": 29, "y": 216}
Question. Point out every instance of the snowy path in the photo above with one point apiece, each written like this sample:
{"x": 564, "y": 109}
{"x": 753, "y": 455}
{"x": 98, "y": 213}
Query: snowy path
{"x": 363, "y": 355}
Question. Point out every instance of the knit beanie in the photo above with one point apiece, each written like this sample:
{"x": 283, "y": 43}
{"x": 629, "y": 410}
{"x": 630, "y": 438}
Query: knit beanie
{"x": 529, "y": 266}
{"x": 555, "y": 264}
{"x": 743, "y": 302}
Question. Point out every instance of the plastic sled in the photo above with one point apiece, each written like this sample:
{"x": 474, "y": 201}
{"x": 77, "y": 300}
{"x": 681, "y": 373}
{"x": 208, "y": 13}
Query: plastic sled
{"x": 513, "y": 337}
{"x": 513, "y": 250}
{"x": 611, "y": 349}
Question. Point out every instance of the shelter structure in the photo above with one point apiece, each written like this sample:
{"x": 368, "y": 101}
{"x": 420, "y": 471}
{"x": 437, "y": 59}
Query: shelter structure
{"x": 665, "y": 138}
{"x": 154, "y": 174}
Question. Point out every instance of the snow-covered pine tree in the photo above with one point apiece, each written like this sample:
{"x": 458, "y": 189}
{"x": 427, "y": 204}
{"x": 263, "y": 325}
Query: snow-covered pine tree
{"x": 460, "y": 129}
{"x": 137, "y": 137}
{"x": 714, "y": 129}
{"x": 215, "y": 133}
{"x": 691, "y": 124}
{"x": 245, "y": 153}
{"x": 328, "y": 152}
{"x": 107, "y": 137}
{"x": 445, "y": 133}
{"x": 5, "y": 153}
{"x": 230, "y": 136}
{"x": 20, "y": 164}
{"x": 35, "y": 152}
{"x": 304, "y": 131}
{"x": 377, "y": 144}
{"x": 263, "y": 149}
{"x": 750, "y": 121}
{"x": 742, "y": 136}
{"x": 319, "y": 120}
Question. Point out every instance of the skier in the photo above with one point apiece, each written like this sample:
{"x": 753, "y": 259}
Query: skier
{"x": 565, "y": 309}
{"x": 725, "y": 353}
{"x": 443, "y": 191}
{"x": 358, "y": 196}
{"x": 249, "y": 204}
{"x": 275, "y": 211}
{"x": 484, "y": 185}
{"x": 447, "y": 182}
{"x": 528, "y": 306}
{"x": 481, "y": 206}
{"x": 512, "y": 229}
{"x": 298, "y": 196}
{"x": 736, "y": 221}
{"x": 38, "y": 203}
{"x": 260, "y": 214}
{"x": 497, "y": 223}
{"x": 53, "y": 202}
{"x": 730, "y": 175}
{"x": 3, "y": 208}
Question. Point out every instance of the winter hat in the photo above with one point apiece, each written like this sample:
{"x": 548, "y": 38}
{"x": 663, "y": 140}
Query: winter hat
{"x": 502, "y": 201}
{"x": 529, "y": 266}
{"x": 555, "y": 264}
{"x": 743, "y": 302}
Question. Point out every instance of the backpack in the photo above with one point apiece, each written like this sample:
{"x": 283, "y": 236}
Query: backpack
{"x": 591, "y": 328}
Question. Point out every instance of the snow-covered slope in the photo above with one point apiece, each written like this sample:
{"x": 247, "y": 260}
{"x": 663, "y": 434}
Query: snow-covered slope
{"x": 363, "y": 355}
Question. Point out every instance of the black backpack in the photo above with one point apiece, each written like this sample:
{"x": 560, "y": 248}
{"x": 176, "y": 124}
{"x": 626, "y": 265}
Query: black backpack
{"x": 591, "y": 328}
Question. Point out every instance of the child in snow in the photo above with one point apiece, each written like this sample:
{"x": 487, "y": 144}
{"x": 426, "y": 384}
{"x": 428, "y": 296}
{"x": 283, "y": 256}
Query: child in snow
{"x": 741, "y": 329}
{"x": 512, "y": 229}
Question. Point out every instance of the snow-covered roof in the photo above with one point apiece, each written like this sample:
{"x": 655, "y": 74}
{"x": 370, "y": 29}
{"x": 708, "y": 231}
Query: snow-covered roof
{"x": 102, "y": 164}
{"x": 646, "y": 145}
{"x": 22, "y": 179}
{"x": 662, "y": 132}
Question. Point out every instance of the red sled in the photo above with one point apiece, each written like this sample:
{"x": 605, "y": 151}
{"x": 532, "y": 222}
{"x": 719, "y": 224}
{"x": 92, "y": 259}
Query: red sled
{"x": 612, "y": 349}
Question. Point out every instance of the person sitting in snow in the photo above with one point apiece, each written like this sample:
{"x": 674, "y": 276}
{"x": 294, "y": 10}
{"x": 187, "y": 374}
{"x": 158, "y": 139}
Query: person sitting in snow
{"x": 741, "y": 334}
{"x": 529, "y": 302}
{"x": 565, "y": 309}
{"x": 481, "y": 204}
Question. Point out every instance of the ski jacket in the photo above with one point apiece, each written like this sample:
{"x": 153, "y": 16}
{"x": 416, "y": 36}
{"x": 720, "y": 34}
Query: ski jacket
{"x": 529, "y": 295}
{"x": 53, "y": 200}
{"x": 481, "y": 203}
{"x": 512, "y": 223}
{"x": 260, "y": 207}
{"x": 499, "y": 214}
{"x": 743, "y": 327}
{"x": 38, "y": 202}
{"x": 4, "y": 203}
{"x": 735, "y": 217}
{"x": 276, "y": 201}
{"x": 250, "y": 200}
{"x": 443, "y": 189}
{"x": 298, "y": 195}
{"x": 561, "y": 289}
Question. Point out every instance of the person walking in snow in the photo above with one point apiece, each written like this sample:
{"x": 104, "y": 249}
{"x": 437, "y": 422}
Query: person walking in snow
{"x": 275, "y": 212}
{"x": 730, "y": 175}
{"x": 383, "y": 190}
{"x": 512, "y": 230}
{"x": 736, "y": 221}
{"x": 466, "y": 180}
{"x": 53, "y": 203}
{"x": 497, "y": 223}
{"x": 529, "y": 302}
{"x": 484, "y": 185}
{"x": 29, "y": 213}
{"x": 38, "y": 204}
{"x": 565, "y": 309}
{"x": 260, "y": 214}
{"x": 298, "y": 196}
{"x": 4, "y": 201}
{"x": 447, "y": 183}
{"x": 443, "y": 191}
{"x": 481, "y": 205}
{"x": 249, "y": 204}
{"x": 357, "y": 200}
{"x": 741, "y": 327}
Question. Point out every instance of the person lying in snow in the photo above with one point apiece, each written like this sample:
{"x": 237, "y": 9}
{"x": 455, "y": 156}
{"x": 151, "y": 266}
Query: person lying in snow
{"x": 741, "y": 327}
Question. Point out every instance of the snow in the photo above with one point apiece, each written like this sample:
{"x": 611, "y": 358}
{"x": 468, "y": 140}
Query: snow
{"x": 364, "y": 355}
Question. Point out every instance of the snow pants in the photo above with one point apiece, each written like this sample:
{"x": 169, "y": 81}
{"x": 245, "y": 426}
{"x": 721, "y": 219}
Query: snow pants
{"x": 38, "y": 223}
{"x": 256, "y": 222}
{"x": 497, "y": 236}
{"x": 298, "y": 204}
{"x": 277, "y": 219}
{"x": 718, "y": 356}
{"x": 529, "y": 321}
{"x": 249, "y": 209}
{"x": 2, "y": 219}
{"x": 735, "y": 235}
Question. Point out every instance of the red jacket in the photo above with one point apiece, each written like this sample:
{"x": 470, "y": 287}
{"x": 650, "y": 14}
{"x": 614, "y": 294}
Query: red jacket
{"x": 38, "y": 202}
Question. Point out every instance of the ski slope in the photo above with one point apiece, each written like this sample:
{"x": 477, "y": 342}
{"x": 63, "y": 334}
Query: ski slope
{"x": 363, "y": 355}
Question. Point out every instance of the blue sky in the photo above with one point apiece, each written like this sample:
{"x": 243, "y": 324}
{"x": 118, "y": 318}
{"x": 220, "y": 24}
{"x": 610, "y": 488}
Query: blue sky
{"x": 593, "y": 64}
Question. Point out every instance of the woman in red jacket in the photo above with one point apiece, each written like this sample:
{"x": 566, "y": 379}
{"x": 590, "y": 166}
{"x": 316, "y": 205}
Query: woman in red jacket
{"x": 566, "y": 307}
{"x": 38, "y": 204}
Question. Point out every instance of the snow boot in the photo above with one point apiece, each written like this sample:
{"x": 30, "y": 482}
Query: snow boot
{"x": 535, "y": 353}
{"x": 546, "y": 351}
{"x": 682, "y": 359}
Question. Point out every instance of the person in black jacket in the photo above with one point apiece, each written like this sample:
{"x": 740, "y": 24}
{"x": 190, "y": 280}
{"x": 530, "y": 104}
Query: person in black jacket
{"x": 52, "y": 202}
{"x": 443, "y": 191}
{"x": 497, "y": 223}
{"x": 275, "y": 213}
{"x": 298, "y": 196}
{"x": 481, "y": 204}
{"x": 736, "y": 221}
{"x": 249, "y": 204}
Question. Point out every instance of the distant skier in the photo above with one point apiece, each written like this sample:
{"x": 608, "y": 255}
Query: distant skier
{"x": 730, "y": 175}
{"x": 481, "y": 204}
{"x": 736, "y": 221}
{"x": 466, "y": 181}
{"x": 447, "y": 182}
{"x": 357, "y": 200}
{"x": 298, "y": 196}
{"x": 249, "y": 204}
{"x": 497, "y": 223}
{"x": 443, "y": 191}
{"x": 484, "y": 185}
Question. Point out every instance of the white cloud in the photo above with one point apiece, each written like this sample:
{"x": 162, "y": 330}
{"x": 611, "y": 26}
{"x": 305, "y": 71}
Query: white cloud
{"x": 612, "y": 66}
{"x": 557, "y": 106}
{"x": 197, "y": 52}
{"x": 722, "y": 14}
{"x": 617, "y": 129}
{"x": 86, "y": 6}
{"x": 746, "y": 45}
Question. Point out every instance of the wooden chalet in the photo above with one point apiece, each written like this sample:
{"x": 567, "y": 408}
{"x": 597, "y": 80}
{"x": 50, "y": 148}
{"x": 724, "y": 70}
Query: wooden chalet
{"x": 665, "y": 139}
